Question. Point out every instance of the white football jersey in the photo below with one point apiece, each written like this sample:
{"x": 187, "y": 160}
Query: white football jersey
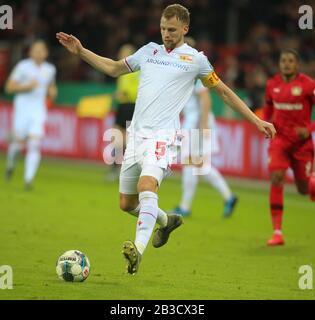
{"x": 32, "y": 102}
{"x": 166, "y": 84}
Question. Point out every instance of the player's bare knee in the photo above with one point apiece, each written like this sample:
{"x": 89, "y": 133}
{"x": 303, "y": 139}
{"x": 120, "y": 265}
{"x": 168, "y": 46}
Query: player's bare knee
{"x": 18, "y": 141}
{"x": 302, "y": 191}
{"x": 302, "y": 188}
{"x": 147, "y": 183}
{"x": 125, "y": 205}
{"x": 128, "y": 203}
{"x": 277, "y": 178}
{"x": 33, "y": 144}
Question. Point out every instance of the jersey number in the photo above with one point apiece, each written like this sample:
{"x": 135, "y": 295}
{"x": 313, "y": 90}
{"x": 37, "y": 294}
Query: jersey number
{"x": 160, "y": 149}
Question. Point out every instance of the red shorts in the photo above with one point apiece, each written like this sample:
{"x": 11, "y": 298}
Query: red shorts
{"x": 299, "y": 157}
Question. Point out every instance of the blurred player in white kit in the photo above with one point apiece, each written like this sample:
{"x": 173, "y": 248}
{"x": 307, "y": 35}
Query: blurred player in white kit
{"x": 31, "y": 81}
{"x": 167, "y": 76}
{"x": 198, "y": 115}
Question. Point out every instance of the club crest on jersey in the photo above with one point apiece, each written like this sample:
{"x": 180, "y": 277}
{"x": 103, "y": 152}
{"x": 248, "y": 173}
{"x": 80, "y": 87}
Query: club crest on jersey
{"x": 186, "y": 58}
{"x": 296, "y": 91}
{"x": 155, "y": 52}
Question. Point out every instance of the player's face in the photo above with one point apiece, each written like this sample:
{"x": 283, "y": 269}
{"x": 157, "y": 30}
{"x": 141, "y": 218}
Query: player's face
{"x": 173, "y": 32}
{"x": 288, "y": 64}
{"x": 39, "y": 52}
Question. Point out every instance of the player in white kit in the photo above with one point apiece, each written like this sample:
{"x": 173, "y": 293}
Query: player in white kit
{"x": 32, "y": 81}
{"x": 197, "y": 115}
{"x": 167, "y": 76}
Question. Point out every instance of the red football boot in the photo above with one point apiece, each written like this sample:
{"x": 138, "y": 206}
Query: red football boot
{"x": 311, "y": 186}
{"x": 276, "y": 240}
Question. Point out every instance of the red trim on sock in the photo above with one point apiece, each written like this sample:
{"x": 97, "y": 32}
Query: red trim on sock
{"x": 148, "y": 213}
{"x": 128, "y": 66}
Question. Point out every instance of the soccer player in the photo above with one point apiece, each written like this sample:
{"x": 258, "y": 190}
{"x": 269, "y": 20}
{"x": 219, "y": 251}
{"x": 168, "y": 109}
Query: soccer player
{"x": 197, "y": 116}
{"x": 167, "y": 76}
{"x": 289, "y": 99}
{"x": 32, "y": 81}
{"x": 125, "y": 96}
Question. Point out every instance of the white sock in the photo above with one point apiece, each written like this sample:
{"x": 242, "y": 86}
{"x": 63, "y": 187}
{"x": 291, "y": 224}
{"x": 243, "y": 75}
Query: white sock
{"x": 215, "y": 178}
{"x": 147, "y": 218}
{"x": 161, "y": 216}
{"x": 32, "y": 159}
{"x": 189, "y": 184}
{"x": 13, "y": 150}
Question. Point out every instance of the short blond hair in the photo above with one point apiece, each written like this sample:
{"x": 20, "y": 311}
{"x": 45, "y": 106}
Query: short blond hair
{"x": 178, "y": 11}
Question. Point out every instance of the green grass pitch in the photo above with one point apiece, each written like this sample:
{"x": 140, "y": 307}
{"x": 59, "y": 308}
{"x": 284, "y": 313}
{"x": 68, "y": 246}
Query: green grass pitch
{"x": 72, "y": 207}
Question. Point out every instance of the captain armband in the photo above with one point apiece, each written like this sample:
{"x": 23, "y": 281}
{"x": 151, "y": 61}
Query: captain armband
{"x": 211, "y": 80}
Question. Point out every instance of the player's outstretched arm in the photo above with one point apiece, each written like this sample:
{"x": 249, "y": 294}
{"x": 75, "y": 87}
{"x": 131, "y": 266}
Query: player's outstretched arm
{"x": 231, "y": 99}
{"x": 108, "y": 66}
{"x": 12, "y": 87}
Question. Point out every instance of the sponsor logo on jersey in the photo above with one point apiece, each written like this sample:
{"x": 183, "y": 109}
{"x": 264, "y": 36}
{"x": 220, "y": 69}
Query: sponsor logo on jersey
{"x": 276, "y": 90}
{"x": 185, "y": 57}
{"x": 296, "y": 91}
{"x": 288, "y": 106}
{"x": 168, "y": 64}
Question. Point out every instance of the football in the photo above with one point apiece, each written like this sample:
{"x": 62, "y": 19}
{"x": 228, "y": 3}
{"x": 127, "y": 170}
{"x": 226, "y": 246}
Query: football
{"x": 73, "y": 266}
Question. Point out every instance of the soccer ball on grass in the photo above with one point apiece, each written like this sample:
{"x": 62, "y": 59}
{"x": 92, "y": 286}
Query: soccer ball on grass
{"x": 73, "y": 266}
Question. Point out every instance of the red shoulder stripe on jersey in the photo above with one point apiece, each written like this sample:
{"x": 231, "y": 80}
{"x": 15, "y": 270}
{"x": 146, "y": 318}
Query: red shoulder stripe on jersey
{"x": 127, "y": 64}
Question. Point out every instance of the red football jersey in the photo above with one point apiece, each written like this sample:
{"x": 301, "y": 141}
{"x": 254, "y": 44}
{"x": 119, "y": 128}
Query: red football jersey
{"x": 289, "y": 105}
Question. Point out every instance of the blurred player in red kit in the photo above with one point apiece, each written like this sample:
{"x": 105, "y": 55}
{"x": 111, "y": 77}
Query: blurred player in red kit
{"x": 289, "y": 99}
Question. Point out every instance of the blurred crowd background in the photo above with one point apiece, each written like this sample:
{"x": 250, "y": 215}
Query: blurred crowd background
{"x": 242, "y": 38}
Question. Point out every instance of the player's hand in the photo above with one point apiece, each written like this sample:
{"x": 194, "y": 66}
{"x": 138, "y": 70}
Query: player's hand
{"x": 303, "y": 133}
{"x": 266, "y": 128}
{"x": 206, "y": 133}
{"x": 31, "y": 85}
{"x": 205, "y": 130}
{"x": 70, "y": 42}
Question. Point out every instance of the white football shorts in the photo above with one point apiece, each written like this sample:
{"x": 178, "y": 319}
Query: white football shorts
{"x": 146, "y": 157}
{"x": 25, "y": 125}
